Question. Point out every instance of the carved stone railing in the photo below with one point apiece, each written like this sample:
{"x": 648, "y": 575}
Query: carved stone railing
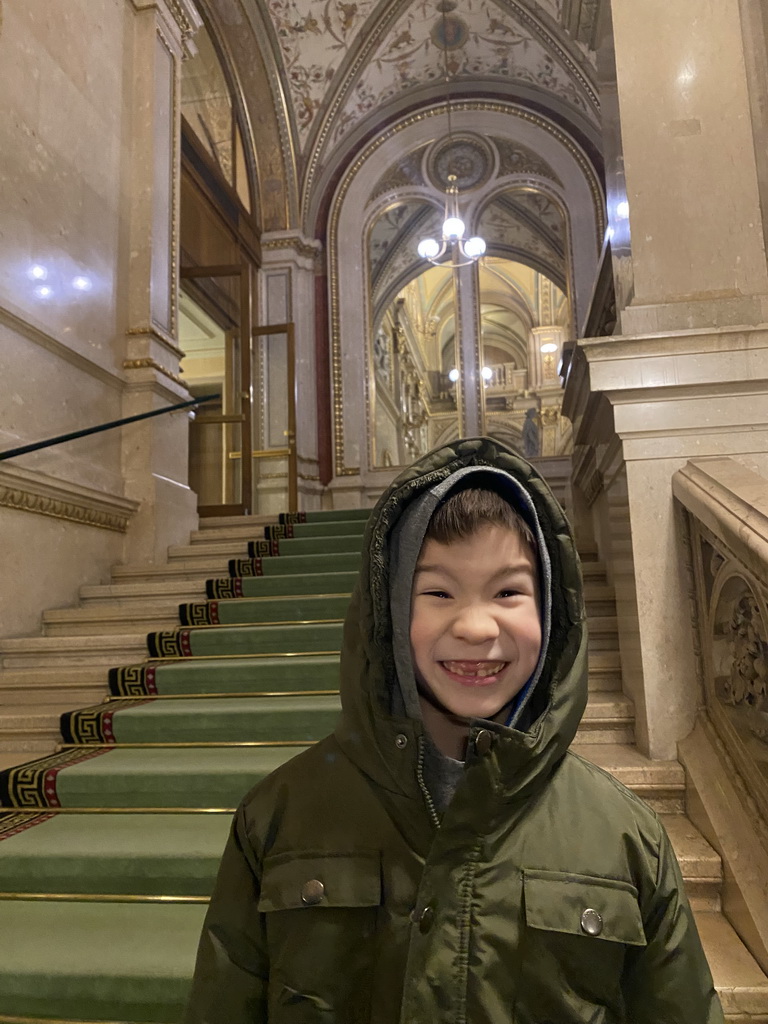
{"x": 725, "y": 518}
{"x": 505, "y": 377}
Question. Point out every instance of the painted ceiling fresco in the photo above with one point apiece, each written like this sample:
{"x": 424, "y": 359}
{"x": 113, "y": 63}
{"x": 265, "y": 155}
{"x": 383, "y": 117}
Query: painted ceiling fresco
{"x": 349, "y": 58}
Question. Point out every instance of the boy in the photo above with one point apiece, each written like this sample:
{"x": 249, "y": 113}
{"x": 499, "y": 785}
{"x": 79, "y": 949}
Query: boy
{"x": 442, "y": 858}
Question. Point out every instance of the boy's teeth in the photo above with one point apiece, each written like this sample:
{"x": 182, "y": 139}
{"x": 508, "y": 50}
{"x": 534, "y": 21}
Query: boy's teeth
{"x": 474, "y": 668}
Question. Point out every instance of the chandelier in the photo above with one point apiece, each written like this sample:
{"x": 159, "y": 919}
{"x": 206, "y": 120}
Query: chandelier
{"x": 463, "y": 251}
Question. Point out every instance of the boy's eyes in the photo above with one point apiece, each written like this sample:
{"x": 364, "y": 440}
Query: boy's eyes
{"x": 506, "y": 592}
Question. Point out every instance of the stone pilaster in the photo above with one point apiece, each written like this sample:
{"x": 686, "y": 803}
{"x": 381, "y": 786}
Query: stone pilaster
{"x": 287, "y": 294}
{"x": 470, "y": 391}
{"x": 155, "y": 452}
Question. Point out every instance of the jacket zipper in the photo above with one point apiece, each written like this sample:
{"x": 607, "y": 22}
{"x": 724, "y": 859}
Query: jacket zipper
{"x": 434, "y": 816}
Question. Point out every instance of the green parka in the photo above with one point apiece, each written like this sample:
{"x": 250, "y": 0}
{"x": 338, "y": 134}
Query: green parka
{"x": 547, "y": 894}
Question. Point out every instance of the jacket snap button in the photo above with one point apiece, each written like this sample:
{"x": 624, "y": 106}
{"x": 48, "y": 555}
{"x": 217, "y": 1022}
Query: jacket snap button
{"x": 483, "y": 742}
{"x": 426, "y": 919}
{"x": 312, "y": 892}
{"x": 401, "y": 741}
{"x": 591, "y": 922}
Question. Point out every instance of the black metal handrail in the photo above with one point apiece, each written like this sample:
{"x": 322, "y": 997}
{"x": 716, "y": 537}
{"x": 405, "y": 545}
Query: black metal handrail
{"x": 13, "y": 452}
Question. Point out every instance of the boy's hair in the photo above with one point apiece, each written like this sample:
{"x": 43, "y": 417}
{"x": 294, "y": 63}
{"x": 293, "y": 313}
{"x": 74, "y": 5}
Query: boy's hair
{"x": 466, "y": 511}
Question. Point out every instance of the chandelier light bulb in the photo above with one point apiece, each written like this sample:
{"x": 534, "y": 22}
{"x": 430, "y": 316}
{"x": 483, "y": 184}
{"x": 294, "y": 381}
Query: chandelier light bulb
{"x": 453, "y": 227}
{"x": 487, "y": 372}
{"x": 549, "y": 347}
{"x": 453, "y": 375}
{"x": 428, "y": 248}
{"x": 474, "y": 247}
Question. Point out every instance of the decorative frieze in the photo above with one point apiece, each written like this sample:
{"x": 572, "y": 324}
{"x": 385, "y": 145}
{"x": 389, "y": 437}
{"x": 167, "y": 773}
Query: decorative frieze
{"x": 30, "y": 491}
{"x": 728, "y": 547}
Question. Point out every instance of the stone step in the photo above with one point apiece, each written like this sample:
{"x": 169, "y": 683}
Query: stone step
{"x": 10, "y": 758}
{"x": 47, "y": 651}
{"x": 175, "y": 591}
{"x": 213, "y": 523}
{"x": 32, "y": 729}
{"x": 741, "y": 984}
{"x": 700, "y": 864}
{"x": 607, "y": 719}
{"x": 218, "y": 547}
{"x": 196, "y": 572}
{"x": 96, "y": 620}
{"x": 603, "y": 633}
{"x": 660, "y": 783}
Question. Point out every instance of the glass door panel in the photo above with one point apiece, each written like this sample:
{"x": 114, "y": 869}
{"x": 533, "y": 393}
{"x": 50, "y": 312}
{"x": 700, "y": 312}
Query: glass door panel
{"x": 215, "y": 321}
{"x": 273, "y": 429}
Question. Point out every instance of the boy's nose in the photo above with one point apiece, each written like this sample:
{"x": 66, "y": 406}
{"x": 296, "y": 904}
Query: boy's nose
{"x": 475, "y": 625}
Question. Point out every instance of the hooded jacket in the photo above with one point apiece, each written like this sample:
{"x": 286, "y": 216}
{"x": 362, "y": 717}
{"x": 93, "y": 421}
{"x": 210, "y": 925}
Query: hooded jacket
{"x": 545, "y": 893}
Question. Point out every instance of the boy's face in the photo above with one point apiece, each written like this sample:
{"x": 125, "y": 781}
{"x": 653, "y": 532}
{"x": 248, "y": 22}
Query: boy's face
{"x": 475, "y": 621}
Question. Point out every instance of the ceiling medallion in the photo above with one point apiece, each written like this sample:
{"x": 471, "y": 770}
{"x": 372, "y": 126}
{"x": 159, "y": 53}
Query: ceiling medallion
{"x": 467, "y": 156}
{"x": 450, "y": 32}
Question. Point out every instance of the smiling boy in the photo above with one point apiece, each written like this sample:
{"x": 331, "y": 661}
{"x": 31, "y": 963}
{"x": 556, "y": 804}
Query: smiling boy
{"x": 443, "y": 858}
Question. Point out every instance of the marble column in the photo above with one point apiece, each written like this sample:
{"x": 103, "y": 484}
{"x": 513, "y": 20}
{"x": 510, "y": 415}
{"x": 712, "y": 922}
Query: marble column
{"x": 692, "y": 198}
{"x": 287, "y": 294}
{"x": 155, "y": 451}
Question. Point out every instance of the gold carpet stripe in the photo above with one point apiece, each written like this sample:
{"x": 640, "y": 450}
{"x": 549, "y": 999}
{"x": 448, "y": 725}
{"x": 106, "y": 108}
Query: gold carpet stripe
{"x": 226, "y": 657}
{"x": 252, "y": 625}
{"x": 276, "y": 597}
{"x": 239, "y": 693}
{"x": 92, "y": 897}
{"x": 6, "y": 1019}
{"x": 188, "y": 743}
{"x": 128, "y": 810}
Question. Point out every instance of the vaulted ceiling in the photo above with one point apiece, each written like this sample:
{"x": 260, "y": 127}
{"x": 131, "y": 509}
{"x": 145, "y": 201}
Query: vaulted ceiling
{"x": 340, "y": 71}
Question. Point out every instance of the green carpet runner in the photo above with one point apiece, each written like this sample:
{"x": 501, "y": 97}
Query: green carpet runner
{"x": 109, "y": 847}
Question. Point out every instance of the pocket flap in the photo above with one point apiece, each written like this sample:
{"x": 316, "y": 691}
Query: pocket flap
{"x": 295, "y": 881}
{"x": 601, "y": 908}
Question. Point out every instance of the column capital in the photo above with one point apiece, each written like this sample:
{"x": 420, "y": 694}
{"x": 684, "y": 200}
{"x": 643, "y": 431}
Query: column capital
{"x": 179, "y": 15}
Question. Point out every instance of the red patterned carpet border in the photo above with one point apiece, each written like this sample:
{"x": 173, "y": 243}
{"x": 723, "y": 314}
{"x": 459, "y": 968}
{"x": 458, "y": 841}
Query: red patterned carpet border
{"x": 282, "y": 532}
{"x": 223, "y": 589}
{"x": 292, "y": 517}
{"x": 34, "y": 784}
{"x": 170, "y": 643}
{"x": 11, "y": 824}
{"x": 246, "y": 567}
{"x": 263, "y": 548}
{"x": 133, "y": 681}
{"x": 95, "y": 724}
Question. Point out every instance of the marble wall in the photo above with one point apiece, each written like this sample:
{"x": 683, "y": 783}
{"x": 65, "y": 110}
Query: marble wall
{"x": 68, "y": 128}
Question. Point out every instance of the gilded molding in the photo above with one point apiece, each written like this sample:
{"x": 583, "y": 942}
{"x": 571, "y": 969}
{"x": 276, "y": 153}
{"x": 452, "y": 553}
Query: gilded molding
{"x": 152, "y": 364}
{"x": 507, "y": 109}
{"x": 156, "y": 332}
{"x": 294, "y": 242}
{"x": 28, "y": 491}
{"x": 185, "y": 16}
{"x": 174, "y": 211}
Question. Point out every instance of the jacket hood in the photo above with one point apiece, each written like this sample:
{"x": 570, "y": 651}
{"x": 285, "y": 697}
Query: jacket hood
{"x": 382, "y": 731}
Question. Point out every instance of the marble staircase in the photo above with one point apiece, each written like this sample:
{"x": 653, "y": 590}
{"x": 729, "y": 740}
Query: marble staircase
{"x": 66, "y": 667}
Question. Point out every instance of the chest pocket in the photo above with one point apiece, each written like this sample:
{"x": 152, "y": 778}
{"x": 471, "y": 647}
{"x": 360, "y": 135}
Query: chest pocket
{"x": 321, "y": 914}
{"x": 578, "y": 930}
